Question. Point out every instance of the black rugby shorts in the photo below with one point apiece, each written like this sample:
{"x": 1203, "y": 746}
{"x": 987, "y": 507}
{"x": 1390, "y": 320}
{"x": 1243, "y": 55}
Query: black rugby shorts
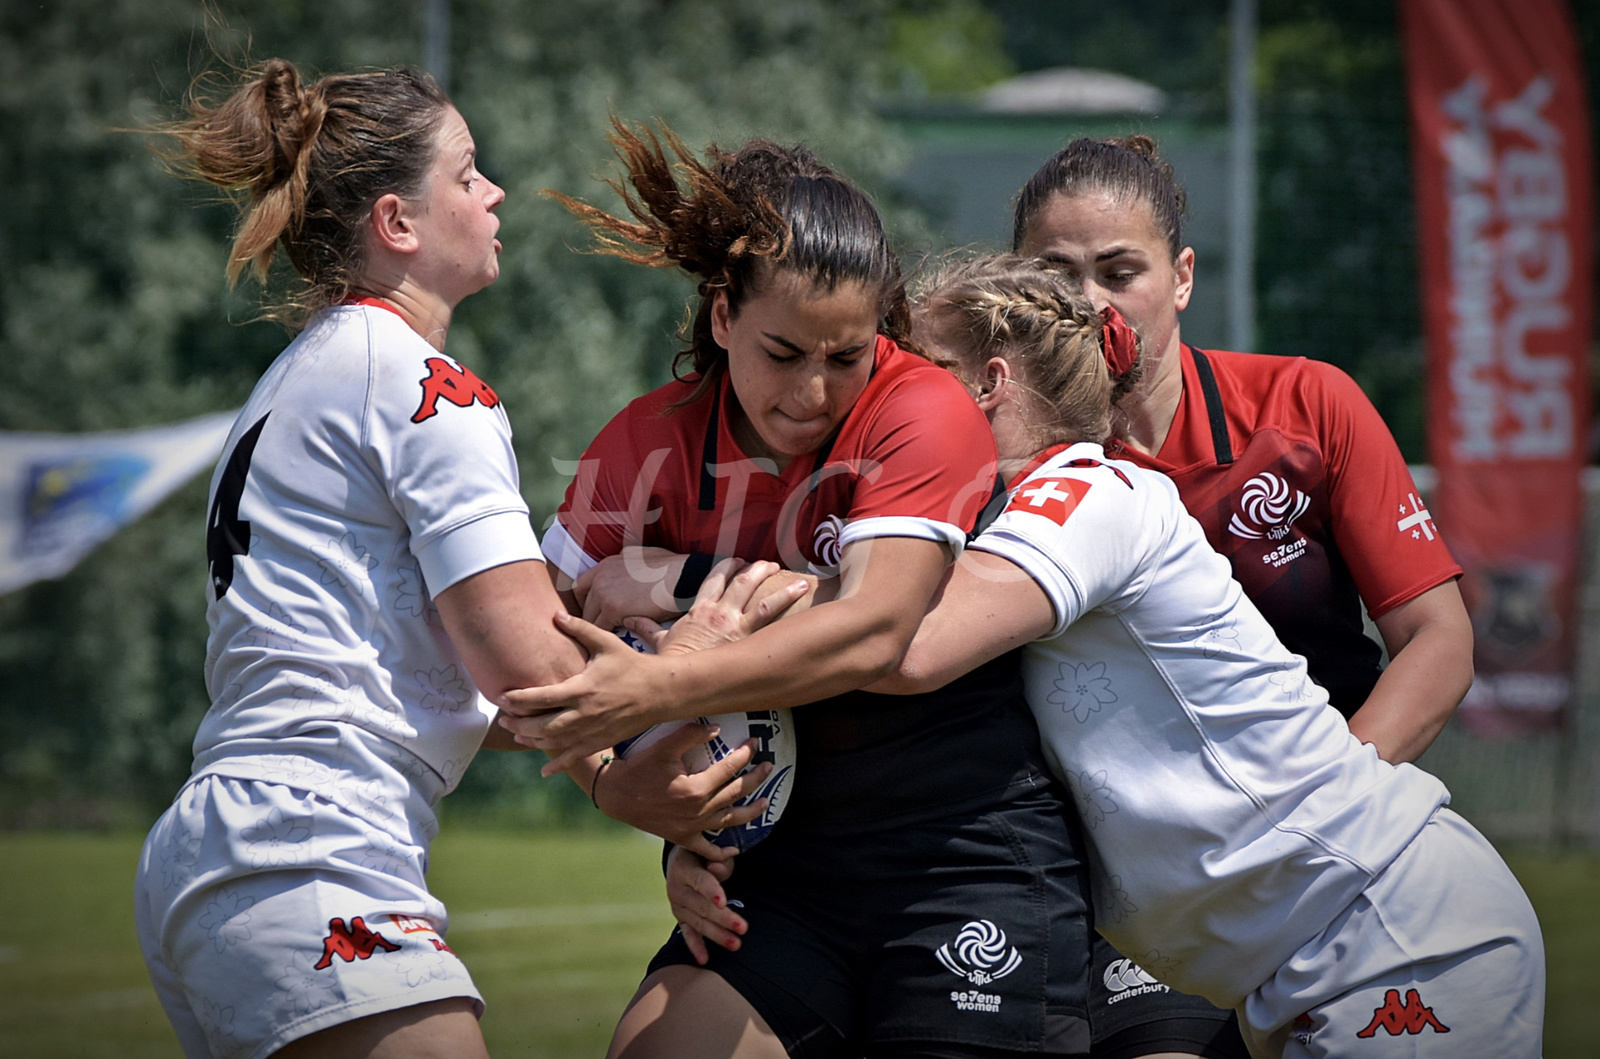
{"x": 969, "y": 931}
{"x": 1131, "y": 1014}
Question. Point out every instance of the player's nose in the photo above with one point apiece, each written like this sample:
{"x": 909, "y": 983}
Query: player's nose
{"x": 811, "y": 394}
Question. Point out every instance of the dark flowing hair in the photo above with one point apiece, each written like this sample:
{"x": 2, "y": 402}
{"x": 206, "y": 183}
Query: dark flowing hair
{"x": 735, "y": 220}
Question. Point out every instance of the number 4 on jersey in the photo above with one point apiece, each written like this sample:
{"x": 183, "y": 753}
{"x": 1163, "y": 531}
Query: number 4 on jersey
{"x": 226, "y": 534}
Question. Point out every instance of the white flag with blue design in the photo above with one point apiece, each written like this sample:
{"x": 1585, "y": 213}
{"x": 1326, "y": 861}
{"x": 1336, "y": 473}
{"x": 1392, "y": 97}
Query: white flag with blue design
{"x": 62, "y": 495}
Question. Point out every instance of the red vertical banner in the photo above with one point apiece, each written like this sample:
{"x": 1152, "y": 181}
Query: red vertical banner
{"x": 1505, "y": 201}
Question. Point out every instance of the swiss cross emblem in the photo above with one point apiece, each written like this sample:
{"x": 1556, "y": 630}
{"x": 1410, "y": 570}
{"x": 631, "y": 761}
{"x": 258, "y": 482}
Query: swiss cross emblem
{"x": 1054, "y": 498}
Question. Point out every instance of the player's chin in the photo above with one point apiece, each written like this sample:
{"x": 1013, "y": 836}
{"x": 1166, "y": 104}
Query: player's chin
{"x": 795, "y": 438}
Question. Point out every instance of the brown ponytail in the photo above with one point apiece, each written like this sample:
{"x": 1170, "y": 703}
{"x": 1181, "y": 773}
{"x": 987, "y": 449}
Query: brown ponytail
{"x": 308, "y": 162}
{"x": 733, "y": 219}
{"x": 1036, "y": 317}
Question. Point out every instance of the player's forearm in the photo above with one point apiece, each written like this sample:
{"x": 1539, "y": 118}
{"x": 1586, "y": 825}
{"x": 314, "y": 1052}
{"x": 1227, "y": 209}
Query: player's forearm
{"x": 1416, "y": 695}
{"x": 815, "y": 655}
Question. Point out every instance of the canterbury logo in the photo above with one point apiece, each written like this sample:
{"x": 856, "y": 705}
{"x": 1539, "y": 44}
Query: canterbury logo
{"x": 1397, "y": 1018}
{"x": 355, "y": 942}
{"x": 1270, "y": 505}
{"x": 980, "y": 953}
{"x": 1125, "y": 974}
{"x": 457, "y": 385}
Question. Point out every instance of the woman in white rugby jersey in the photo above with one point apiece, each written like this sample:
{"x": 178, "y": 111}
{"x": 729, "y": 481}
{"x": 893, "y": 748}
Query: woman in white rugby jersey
{"x": 1248, "y": 848}
{"x": 372, "y": 569}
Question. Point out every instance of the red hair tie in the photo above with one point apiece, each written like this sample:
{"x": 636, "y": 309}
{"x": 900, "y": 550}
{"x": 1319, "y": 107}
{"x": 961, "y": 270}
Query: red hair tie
{"x": 1118, "y": 342}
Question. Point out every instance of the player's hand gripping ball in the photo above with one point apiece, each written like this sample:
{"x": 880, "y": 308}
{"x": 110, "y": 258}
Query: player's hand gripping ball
{"x": 773, "y": 731}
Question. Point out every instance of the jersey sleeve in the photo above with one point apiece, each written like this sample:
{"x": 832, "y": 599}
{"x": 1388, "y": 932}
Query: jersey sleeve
{"x": 608, "y": 502}
{"x": 1380, "y": 522}
{"x": 442, "y": 445}
{"x": 1076, "y": 534}
{"x": 929, "y": 464}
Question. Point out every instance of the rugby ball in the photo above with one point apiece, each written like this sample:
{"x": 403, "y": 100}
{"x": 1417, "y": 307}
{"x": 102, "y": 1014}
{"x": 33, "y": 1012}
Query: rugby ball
{"x": 773, "y": 731}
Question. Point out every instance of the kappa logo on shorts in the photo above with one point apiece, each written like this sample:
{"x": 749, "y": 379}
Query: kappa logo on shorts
{"x": 457, "y": 385}
{"x": 1125, "y": 979}
{"x": 352, "y": 943}
{"x": 980, "y": 954}
{"x": 1411, "y": 1017}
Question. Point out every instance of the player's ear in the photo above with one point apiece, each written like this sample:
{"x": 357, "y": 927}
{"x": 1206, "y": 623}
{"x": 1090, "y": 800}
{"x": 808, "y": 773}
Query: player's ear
{"x": 994, "y": 380}
{"x": 391, "y": 226}
{"x": 721, "y": 316}
{"x": 1184, "y": 286}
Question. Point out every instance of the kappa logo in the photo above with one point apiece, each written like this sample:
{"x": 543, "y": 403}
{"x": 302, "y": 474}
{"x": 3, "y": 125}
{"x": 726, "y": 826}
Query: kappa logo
{"x": 1054, "y": 498}
{"x": 1397, "y": 1018}
{"x": 1125, "y": 979}
{"x": 980, "y": 954}
{"x": 352, "y": 943}
{"x": 457, "y": 385}
{"x": 1269, "y": 505}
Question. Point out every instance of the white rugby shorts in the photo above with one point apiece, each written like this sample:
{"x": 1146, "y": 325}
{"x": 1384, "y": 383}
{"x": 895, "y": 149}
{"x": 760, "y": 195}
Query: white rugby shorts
{"x": 267, "y": 913}
{"x": 1439, "y": 958}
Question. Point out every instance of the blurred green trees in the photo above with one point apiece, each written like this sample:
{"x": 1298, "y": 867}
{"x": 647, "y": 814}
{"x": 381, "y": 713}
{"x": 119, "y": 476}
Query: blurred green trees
{"x": 113, "y": 311}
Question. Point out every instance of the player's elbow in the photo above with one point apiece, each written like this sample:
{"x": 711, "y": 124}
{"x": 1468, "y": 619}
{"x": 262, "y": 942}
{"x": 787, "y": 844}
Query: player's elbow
{"x": 916, "y": 673}
{"x": 498, "y": 668}
{"x": 878, "y": 651}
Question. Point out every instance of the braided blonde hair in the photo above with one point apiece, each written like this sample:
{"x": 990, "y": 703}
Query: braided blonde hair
{"x": 1038, "y": 319}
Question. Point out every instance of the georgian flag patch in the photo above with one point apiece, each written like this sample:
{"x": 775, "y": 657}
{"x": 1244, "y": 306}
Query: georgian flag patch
{"x": 1053, "y": 498}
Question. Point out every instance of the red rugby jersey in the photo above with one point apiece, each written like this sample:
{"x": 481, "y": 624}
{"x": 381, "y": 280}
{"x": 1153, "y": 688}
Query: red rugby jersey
{"x": 1298, "y": 482}
{"x": 914, "y": 458}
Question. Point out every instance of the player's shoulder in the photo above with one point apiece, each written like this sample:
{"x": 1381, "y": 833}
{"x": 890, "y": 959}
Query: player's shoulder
{"x": 907, "y": 388}
{"x": 1264, "y": 372}
{"x": 1082, "y": 476}
{"x": 1300, "y": 396}
{"x": 897, "y": 368}
{"x": 663, "y": 416}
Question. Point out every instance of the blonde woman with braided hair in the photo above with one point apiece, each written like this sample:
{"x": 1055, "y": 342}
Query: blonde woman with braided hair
{"x": 1246, "y": 847}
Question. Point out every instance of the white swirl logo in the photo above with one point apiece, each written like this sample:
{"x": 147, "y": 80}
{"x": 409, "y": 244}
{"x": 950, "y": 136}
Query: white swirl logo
{"x": 1125, "y": 974}
{"x": 825, "y": 542}
{"x": 1269, "y": 504}
{"x": 979, "y": 949}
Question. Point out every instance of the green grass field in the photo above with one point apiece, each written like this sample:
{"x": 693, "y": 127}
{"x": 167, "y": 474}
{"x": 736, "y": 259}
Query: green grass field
{"x": 555, "y": 926}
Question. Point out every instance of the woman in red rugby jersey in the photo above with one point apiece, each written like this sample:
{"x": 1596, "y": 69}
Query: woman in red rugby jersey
{"x": 924, "y": 894}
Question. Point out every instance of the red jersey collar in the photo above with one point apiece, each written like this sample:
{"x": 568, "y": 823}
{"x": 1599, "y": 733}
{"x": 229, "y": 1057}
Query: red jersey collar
{"x": 1038, "y": 461}
{"x": 1177, "y": 450}
{"x": 375, "y": 303}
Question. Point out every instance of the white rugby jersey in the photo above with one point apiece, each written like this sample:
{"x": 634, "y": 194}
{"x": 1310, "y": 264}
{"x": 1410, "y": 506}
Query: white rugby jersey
{"x": 1231, "y": 814}
{"x": 367, "y": 473}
